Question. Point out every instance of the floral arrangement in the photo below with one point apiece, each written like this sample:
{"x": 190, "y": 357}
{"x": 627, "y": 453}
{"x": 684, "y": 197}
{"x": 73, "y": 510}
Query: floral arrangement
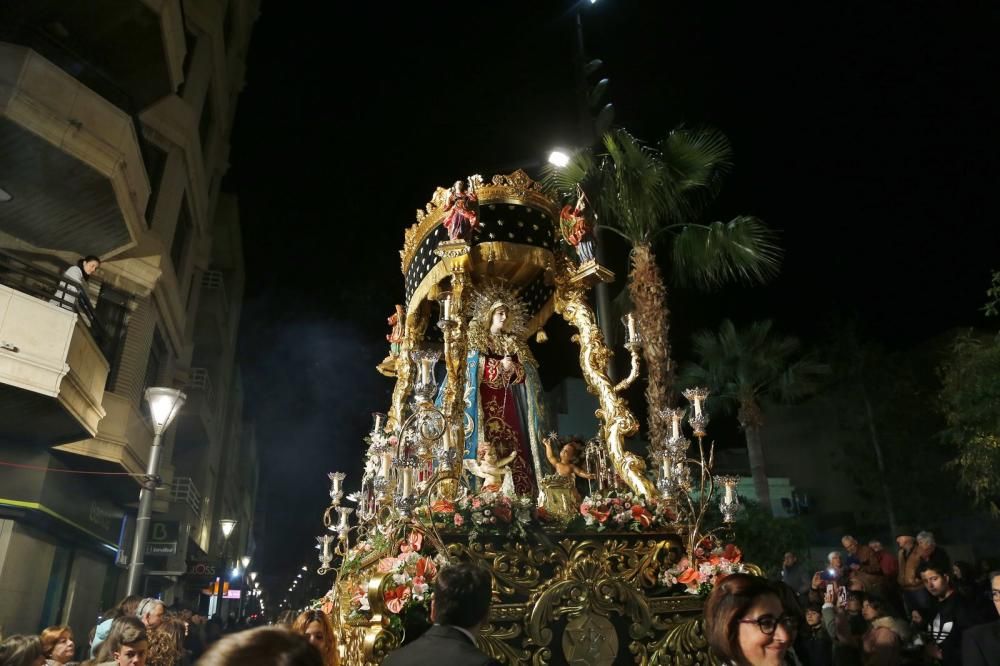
{"x": 489, "y": 512}
{"x": 622, "y": 510}
{"x": 709, "y": 568}
{"x": 412, "y": 574}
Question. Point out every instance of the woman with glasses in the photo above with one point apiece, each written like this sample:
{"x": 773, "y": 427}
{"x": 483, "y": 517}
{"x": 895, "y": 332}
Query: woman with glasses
{"x": 747, "y": 624}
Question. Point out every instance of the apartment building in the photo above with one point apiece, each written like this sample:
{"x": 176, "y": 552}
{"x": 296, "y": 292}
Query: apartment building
{"x": 115, "y": 117}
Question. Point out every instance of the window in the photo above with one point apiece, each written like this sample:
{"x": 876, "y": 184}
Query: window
{"x": 112, "y": 312}
{"x": 182, "y": 236}
{"x": 156, "y": 162}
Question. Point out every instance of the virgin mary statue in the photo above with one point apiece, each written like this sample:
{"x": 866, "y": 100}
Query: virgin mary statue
{"x": 502, "y": 390}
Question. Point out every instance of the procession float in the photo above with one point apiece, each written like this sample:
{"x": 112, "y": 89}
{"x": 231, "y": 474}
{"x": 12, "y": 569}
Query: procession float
{"x": 596, "y": 556}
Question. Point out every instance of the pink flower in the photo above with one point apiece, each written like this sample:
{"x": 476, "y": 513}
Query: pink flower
{"x": 396, "y": 598}
{"x": 386, "y": 564}
{"x": 459, "y": 520}
{"x": 476, "y": 503}
{"x": 413, "y": 543}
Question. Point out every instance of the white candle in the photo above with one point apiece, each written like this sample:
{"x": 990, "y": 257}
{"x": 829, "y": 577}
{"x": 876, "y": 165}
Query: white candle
{"x": 343, "y": 520}
{"x": 337, "y": 478}
{"x": 406, "y": 481}
{"x": 446, "y": 307}
{"x": 697, "y": 408}
{"x": 729, "y": 493}
{"x": 379, "y": 421}
{"x": 386, "y": 465}
{"x": 326, "y": 550}
{"x": 675, "y": 426}
{"x": 630, "y": 319}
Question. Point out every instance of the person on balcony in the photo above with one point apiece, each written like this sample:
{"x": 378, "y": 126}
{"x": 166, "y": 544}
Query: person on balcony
{"x": 77, "y": 274}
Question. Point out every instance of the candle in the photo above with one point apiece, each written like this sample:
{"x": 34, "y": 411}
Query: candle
{"x": 675, "y": 426}
{"x": 446, "y": 306}
{"x": 406, "y": 481}
{"x": 386, "y": 465}
{"x": 344, "y": 515}
{"x": 379, "y": 422}
{"x": 729, "y": 493}
{"x": 697, "y": 407}
{"x": 337, "y": 478}
{"x": 630, "y": 320}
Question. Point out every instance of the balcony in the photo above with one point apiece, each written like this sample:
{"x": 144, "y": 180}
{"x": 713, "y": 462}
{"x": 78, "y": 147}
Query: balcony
{"x": 52, "y": 369}
{"x": 130, "y": 51}
{"x": 213, "y": 327}
{"x": 72, "y": 162}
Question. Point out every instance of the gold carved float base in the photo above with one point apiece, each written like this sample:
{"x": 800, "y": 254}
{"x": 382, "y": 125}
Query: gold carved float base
{"x": 568, "y": 599}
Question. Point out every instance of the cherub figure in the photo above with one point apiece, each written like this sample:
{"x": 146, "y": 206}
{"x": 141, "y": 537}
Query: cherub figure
{"x": 494, "y": 472}
{"x": 395, "y": 338}
{"x": 388, "y": 365}
{"x": 565, "y": 467}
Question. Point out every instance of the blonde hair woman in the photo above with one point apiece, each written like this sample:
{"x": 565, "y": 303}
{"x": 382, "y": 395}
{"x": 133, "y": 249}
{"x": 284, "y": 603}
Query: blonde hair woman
{"x": 316, "y": 626}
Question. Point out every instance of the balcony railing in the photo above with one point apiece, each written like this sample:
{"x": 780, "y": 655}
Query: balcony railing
{"x": 108, "y": 329}
{"x": 201, "y": 380}
{"x": 183, "y": 490}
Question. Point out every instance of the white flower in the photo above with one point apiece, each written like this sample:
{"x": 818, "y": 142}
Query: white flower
{"x": 400, "y": 578}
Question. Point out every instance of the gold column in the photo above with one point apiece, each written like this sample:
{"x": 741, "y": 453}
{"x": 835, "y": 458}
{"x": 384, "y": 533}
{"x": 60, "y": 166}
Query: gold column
{"x": 416, "y": 324}
{"x": 616, "y": 418}
{"x": 455, "y": 255}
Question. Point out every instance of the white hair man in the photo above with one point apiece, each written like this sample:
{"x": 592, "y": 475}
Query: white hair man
{"x": 151, "y": 611}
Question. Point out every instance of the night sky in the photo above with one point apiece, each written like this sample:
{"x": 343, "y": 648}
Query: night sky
{"x": 865, "y": 132}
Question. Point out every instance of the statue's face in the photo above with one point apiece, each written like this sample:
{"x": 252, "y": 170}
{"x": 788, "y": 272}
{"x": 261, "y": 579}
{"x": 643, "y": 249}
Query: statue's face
{"x": 490, "y": 456}
{"x": 499, "y": 320}
{"x": 567, "y": 453}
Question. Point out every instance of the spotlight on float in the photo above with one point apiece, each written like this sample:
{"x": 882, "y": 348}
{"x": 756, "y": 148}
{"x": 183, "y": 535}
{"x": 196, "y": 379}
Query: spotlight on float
{"x": 558, "y": 158}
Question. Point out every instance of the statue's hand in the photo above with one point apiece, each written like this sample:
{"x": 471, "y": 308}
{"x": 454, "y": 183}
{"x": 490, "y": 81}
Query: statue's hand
{"x": 507, "y": 363}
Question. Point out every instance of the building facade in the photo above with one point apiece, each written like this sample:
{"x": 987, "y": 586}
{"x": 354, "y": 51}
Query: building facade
{"x": 115, "y": 119}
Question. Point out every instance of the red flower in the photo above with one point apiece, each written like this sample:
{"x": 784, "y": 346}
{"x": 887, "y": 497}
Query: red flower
{"x": 732, "y": 553}
{"x": 396, "y": 598}
{"x": 640, "y": 514}
{"x": 502, "y": 512}
{"x": 600, "y": 516}
{"x": 443, "y": 506}
{"x": 688, "y": 577}
{"x": 426, "y": 567}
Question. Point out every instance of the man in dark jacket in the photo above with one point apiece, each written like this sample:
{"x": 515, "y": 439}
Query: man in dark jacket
{"x": 981, "y": 645}
{"x": 952, "y": 615}
{"x": 460, "y": 606}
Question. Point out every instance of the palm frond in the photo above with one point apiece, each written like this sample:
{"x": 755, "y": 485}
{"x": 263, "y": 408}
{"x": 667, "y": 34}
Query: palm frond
{"x": 696, "y": 158}
{"x": 741, "y": 250}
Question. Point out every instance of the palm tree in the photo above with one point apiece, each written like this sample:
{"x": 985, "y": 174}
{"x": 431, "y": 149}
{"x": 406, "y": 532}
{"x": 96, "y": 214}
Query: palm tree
{"x": 651, "y": 195}
{"x": 746, "y": 367}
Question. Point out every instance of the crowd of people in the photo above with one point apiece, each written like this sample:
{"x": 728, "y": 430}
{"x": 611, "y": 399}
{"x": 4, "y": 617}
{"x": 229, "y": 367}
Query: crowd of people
{"x": 144, "y": 632}
{"x": 869, "y": 607}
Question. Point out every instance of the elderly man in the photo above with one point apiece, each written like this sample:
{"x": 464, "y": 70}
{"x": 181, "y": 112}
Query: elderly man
{"x": 981, "y": 645}
{"x": 863, "y": 563}
{"x": 914, "y": 553}
{"x": 150, "y": 611}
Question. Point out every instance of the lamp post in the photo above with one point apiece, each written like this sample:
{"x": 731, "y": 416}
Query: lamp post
{"x": 164, "y": 404}
{"x": 227, "y": 525}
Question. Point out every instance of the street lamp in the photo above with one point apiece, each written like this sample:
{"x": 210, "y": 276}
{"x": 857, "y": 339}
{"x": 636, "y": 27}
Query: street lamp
{"x": 226, "y": 525}
{"x": 253, "y": 577}
{"x": 245, "y": 560}
{"x": 164, "y": 403}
